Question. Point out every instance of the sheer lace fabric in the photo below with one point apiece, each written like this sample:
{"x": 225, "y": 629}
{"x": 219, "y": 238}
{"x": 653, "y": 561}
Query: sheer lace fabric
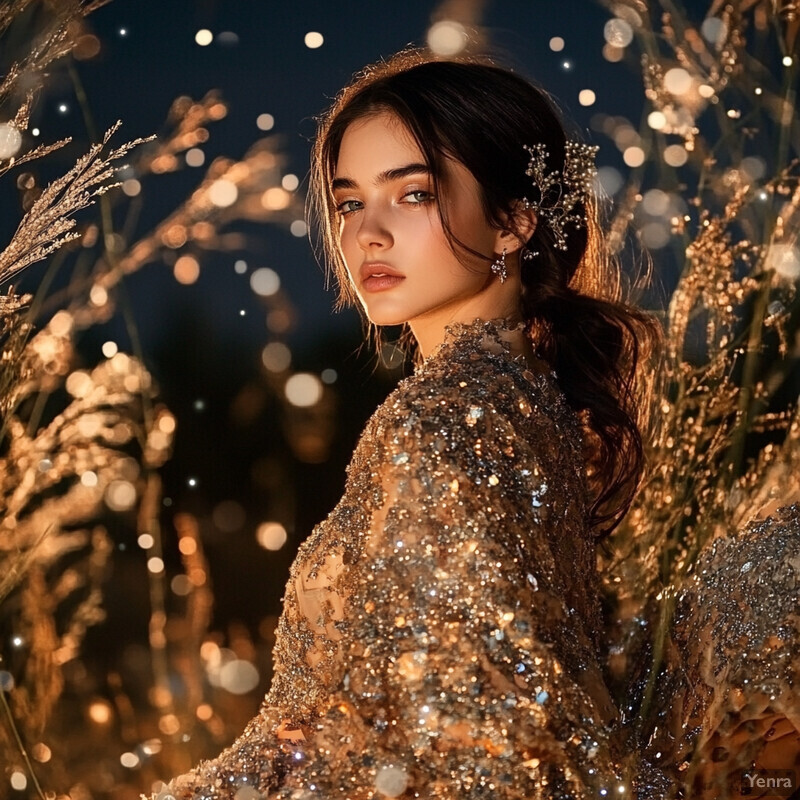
{"x": 440, "y": 627}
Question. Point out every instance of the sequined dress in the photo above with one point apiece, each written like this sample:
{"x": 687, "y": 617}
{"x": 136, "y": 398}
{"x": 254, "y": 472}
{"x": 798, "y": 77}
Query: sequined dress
{"x": 440, "y": 628}
{"x": 727, "y": 714}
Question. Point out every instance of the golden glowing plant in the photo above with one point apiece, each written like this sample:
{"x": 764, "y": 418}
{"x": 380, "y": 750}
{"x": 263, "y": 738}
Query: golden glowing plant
{"x": 81, "y": 446}
{"x": 723, "y": 186}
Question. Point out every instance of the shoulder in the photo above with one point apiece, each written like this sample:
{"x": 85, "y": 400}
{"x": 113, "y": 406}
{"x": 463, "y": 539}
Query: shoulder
{"x": 470, "y": 410}
{"x": 484, "y": 411}
{"x": 473, "y": 388}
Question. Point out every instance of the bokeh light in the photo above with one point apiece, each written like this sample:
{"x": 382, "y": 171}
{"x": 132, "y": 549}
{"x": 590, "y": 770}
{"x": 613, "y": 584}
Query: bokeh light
{"x": 41, "y": 752}
{"x": 677, "y": 81}
{"x": 313, "y": 40}
{"x": 610, "y": 179}
{"x": 754, "y": 167}
{"x": 613, "y": 54}
{"x": 676, "y": 155}
{"x": 146, "y": 541}
{"x": 187, "y": 545}
{"x": 223, "y": 193}
{"x": 229, "y": 516}
{"x": 131, "y": 187}
{"x": 618, "y": 33}
{"x": 633, "y": 156}
{"x": 447, "y": 37}
{"x": 265, "y": 281}
{"x": 89, "y": 478}
{"x": 276, "y": 198}
{"x": 785, "y": 260}
{"x": 186, "y": 269}
{"x": 18, "y": 781}
{"x": 271, "y": 535}
{"x": 79, "y": 384}
{"x": 556, "y": 44}
{"x": 298, "y": 228}
{"x": 265, "y": 122}
{"x": 61, "y": 323}
{"x": 714, "y": 30}
{"x": 655, "y": 202}
{"x": 181, "y": 585}
{"x": 654, "y": 235}
{"x": 276, "y": 357}
{"x": 204, "y": 37}
{"x": 120, "y": 495}
{"x": 129, "y": 760}
{"x": 10, "y": 140}
{"x": 195, "y": 157}
{"x": 303, "y": 389}
{"x": 155, "y": 565}
{"x": 238, "y": 676}
{"x": 100, "y": 712}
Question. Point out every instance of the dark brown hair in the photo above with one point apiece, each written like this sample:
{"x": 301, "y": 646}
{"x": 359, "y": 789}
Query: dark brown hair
{"x": 483, "y": 115}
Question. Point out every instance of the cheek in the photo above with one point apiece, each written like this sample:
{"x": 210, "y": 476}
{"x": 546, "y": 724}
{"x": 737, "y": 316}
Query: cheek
{"x": 470, "y": 227}
{"x": 348, "y": 246}
{"x": 352, "y": 255}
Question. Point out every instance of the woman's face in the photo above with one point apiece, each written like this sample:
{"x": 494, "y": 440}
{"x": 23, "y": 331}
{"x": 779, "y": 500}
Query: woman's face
{"x": 398, "y": 258}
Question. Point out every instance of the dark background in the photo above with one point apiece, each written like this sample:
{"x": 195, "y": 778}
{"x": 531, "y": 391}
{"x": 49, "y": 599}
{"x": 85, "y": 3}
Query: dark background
{"x": 232, "y": 441}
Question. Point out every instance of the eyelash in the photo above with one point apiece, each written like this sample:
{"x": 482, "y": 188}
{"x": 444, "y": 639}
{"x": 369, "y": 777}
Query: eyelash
{"x": 343, "y": 211}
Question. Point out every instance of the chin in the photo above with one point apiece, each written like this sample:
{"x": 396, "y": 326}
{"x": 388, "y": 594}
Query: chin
{"x": 385, "y": 316}
{"x": 386, "y": 319}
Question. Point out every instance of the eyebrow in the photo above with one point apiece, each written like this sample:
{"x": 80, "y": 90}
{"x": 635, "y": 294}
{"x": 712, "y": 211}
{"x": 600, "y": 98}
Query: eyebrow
{"x": 396, "y": 173}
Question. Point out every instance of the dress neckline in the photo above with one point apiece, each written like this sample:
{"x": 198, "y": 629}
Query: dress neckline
{"x": 490, "y": 335}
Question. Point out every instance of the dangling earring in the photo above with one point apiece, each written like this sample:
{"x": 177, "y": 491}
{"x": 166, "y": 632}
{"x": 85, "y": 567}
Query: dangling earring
{"x": 499, "y": 266}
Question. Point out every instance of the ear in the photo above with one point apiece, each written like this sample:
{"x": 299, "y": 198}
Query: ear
{"x": 519, "y": 227}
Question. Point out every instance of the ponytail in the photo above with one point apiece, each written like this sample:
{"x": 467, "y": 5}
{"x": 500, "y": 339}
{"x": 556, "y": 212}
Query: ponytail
{"x": 599, "y": 347}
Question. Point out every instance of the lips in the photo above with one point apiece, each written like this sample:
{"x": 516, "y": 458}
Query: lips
{"x": 370, "y": 268}
{"x": 376, "y": 276}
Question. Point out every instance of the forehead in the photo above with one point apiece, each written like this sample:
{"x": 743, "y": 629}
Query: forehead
{"x": 371, "y": 143}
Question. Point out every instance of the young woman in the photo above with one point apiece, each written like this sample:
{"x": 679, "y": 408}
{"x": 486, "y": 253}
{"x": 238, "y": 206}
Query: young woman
{"x": 441, "y": 627}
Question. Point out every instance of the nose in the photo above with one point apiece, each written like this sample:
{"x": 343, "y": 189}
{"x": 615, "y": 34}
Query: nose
{"x": 373, "y": 230}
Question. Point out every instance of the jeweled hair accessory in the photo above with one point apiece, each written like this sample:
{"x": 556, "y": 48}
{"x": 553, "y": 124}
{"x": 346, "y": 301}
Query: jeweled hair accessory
{"x": 560, "y": 193}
